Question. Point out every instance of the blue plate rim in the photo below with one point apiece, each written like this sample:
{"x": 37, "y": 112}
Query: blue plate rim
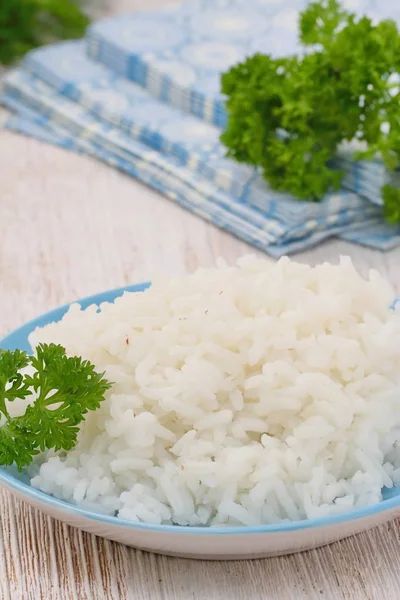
{"x": 13, "y": 483}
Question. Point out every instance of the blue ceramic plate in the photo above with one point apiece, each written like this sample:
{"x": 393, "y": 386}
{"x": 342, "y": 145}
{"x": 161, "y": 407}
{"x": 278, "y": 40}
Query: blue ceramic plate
{"x": 194, "y": 542}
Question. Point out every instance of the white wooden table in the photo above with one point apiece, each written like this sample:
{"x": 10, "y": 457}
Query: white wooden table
{"x": 71, "y": 227}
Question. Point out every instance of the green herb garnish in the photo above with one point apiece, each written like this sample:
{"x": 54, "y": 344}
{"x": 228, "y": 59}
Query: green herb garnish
{"x": 289, "y": 115}
{"x": 66, "y": 389}
{"x": 26, "y": 24}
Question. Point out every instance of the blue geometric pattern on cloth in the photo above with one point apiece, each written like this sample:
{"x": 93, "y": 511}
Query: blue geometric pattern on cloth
{"x": 63, "y": 97}
{"x": 196, "y": 144}
{"x": 179, "y": 53}
{"x": 285, "y": 215}
{"x": 82, "y": 130}
{"x": 29, "y": 122}
{"x": 298, "y": 216}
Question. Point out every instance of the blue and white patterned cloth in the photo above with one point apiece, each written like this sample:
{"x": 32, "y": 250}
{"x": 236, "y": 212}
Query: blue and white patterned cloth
{"x": 179, "y": 53}
{"x": 68, "y": 70}
{"x": 128, "y": 110}
{"x": 64, "y": 97}
{"x": 262, "y": 235}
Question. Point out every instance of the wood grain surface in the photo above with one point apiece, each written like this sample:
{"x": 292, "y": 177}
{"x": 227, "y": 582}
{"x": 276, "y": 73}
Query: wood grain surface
{"x": 72, "y": 227}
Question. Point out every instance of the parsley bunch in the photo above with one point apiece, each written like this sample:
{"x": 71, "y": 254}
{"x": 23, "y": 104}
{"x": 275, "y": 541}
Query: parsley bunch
{"x": 66, "y": 388}
{"x": 289, "y": 115}
{"x": 26, "y": 24}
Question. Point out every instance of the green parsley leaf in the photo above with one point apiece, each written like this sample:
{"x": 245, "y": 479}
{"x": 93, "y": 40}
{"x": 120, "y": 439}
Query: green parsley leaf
{"x": 26, "y": 24}
{"x": 66, "y": 388}
{"x": 288, "y": 116}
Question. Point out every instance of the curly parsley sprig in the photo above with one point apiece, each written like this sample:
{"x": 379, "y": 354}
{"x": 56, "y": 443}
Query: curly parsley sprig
{"x": 65, "y": 389}
{"x": 289, "y": 115}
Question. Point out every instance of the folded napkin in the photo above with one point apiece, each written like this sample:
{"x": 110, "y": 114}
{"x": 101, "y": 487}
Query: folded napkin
{"x": 63, "y": 97}
{"x": 262, "y": 228}
{"x": 366, "y": 232}
{"x": 71, "y": 73}
{"x": 179, "y": 53}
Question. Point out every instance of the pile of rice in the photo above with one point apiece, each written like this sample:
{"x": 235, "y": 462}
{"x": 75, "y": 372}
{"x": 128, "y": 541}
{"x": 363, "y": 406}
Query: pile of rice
{"x": 243, "y": 395}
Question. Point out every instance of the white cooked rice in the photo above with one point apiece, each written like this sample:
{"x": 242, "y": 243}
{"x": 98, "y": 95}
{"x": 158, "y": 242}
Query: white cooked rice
{"x": 242, "y": 395}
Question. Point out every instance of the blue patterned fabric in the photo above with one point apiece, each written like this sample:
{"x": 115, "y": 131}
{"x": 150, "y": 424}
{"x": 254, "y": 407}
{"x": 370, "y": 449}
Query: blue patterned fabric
{"x": 286, "y": 217}
{"x": 67, "y": 68}
{"x": 29, "y": 122}
{"x": 193, "y": 143}
{"x": 179, "y": 53}
{"x": 82, "y": 117}
{"x": 63, "y": 97}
